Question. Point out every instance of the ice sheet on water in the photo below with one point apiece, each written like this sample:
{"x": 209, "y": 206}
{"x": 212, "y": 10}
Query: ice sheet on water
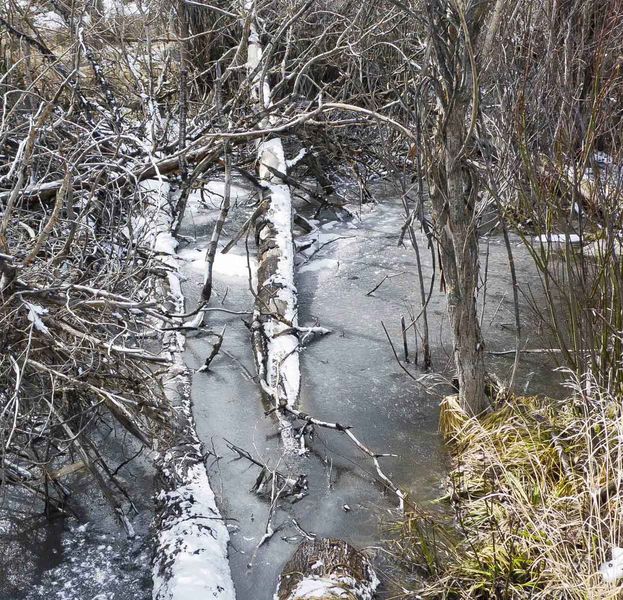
{"x": 326, "y": 265}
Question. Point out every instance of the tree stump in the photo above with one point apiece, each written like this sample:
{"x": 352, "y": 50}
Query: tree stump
{"x": 327, "y": 569}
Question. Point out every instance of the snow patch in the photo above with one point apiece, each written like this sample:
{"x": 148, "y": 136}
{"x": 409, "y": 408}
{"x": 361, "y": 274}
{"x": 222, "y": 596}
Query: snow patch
{"x": 558, "y": 238}
{"x": 613, "y": 569}
{"x": 197, "y": 537}
{"x": 321, "y": 264}
{"x": 153, "y": 228}
{"x": 48, "y": 20}
{"x": 334, "y": 586}
{"x": 225, "y": 265}
{"x": 113, "y": 8}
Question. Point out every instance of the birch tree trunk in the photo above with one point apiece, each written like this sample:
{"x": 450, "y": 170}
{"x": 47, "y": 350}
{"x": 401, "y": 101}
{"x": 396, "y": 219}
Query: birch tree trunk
{"x": 275, "y": 315}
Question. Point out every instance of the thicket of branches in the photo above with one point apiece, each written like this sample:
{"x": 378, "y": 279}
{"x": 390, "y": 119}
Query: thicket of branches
{"x": 80, "y": 278}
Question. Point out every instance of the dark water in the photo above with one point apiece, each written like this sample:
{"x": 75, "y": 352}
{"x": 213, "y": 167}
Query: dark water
{"x": 87, "y": 555}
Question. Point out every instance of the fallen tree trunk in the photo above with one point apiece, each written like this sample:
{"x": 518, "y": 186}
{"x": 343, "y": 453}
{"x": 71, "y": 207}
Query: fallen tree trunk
{"x": 275, "y": 315}
{"x": 190, "y": 559}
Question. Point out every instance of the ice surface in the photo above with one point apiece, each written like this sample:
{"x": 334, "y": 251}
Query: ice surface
{"x": 349, "y": 376}
{"x": 230, "y": 265}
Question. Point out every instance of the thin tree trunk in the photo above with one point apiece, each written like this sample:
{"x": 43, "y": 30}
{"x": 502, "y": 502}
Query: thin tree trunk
{"x": 206, "y": 292}
{"x": 454, "y": 197}
{"x": 455, "y": 182}
{"x": 468, "y": 346}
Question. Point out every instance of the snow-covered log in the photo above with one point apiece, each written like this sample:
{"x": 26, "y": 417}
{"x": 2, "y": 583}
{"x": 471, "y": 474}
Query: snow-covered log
{"x": 190, "y": 560}
{"x": 327, "y": 569}
{"x": 275, "y": 316}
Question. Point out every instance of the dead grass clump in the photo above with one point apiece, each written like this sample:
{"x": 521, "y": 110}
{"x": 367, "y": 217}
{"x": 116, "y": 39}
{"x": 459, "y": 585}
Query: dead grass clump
{"x": 536, "y": 493}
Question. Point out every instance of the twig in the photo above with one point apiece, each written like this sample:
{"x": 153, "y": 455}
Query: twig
{"x": 347, "y": 431}
{"x": 378, "y": 285}
{"x": 398, "y": 358}
{"x": 215, "y": 350}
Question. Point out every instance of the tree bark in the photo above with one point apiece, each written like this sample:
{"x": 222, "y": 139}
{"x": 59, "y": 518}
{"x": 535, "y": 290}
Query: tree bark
{"x": 453, "y": 198}
{"x": 454, "y": 191}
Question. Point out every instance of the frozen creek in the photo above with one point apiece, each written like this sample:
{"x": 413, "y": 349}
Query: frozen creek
{"x": 350, "y": 376}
